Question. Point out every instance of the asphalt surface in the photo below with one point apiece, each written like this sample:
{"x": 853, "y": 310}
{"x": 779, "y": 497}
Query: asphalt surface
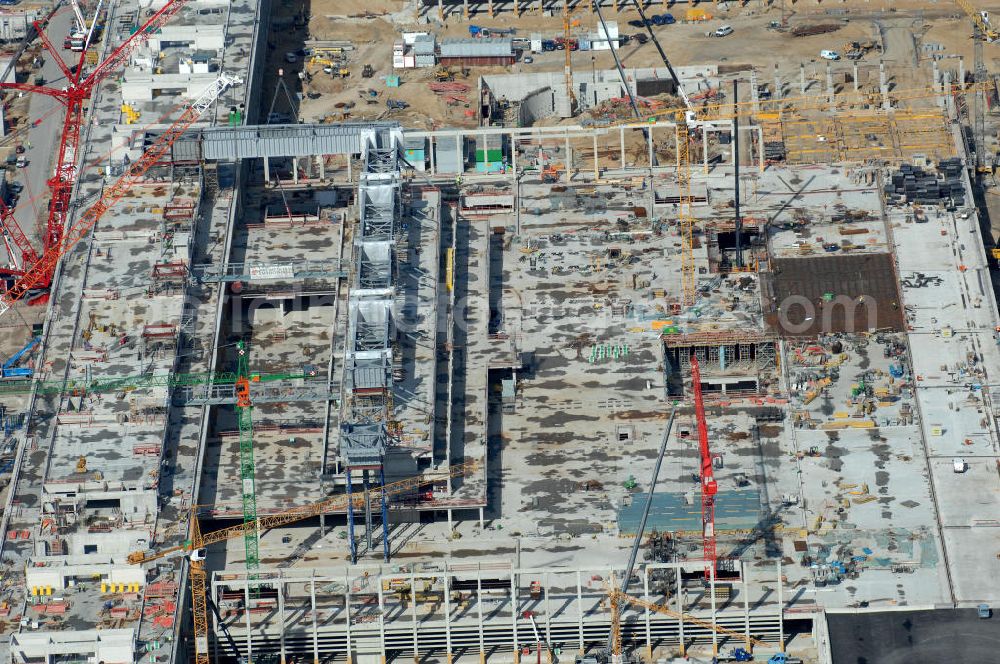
{"x": 914, "y": 637}
{"x": 32, "y": 207}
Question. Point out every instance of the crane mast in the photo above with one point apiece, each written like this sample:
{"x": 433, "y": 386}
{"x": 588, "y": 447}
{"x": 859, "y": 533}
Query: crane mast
{"x": 197, "y": 541}
{"x": 74, "y": 96}
{"x": 709, "y": 487}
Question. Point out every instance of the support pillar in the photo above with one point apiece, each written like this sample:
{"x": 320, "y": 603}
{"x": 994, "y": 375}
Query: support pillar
{"x": 829, "y": 81}
{"x": 961, "y": 73}
{"x": 680, "y": 612}
{"x": 515, "y": 609}
{"x": 802, "y": 78}
{"x": 295, "y": 170}
{"x": 386, "y": 546}
{"x": 513, "y": 163}
{"x": 315, "y": 619}
{"x": 459, "y": 144}
{"x": 597, "y": 162}
{"x": 481, "y": 521}
{"x": 350, "y": 173}
{"x": 704, "y": 148}
{"x": 781, "y": 608}
{"x": 465, "y": 9}
{"x": 381, "y": 623}
{"x": 777, "y": 84}
{"x": 548, "y": 618}
{"x": 883, "y": 87}
{"x": 350, "y": 522}
{"x": 368, "y": 511}
{"x": 646, "y": 598}
{"x": 479, "y": 617}
{"x": 649, "y": 146}
{"x": 579, "y": 607}
{"x": 321, "y": 166}
{"x": 347, "y": 617}
{"x": 433, "y": 149}
{"x": 936, "y": 73}
{"x": 621, "y": 139}
{"x": 447, "y": 613}
{"x": 568, "y": 162}
{"x": 744, "y": 578}
{"x": 491, "y": 8}
{"x": 246, "y": 615}
{"x": 517, "y": 10}
{"x": 267, "y": 171}
{"x": 715, "y": 617}
{"x": 760, "y": 147}
{"x": 441, "y": 10}
{"x": 413, "y": 616}
{"x": 281, "y": 619}
{"x": 754, "y": 95}
{"x": 948, "y": 99}
{"x": 856, "y": 77}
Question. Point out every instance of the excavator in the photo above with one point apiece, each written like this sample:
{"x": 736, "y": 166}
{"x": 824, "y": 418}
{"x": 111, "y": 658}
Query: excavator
{"x": 329, "y": 67}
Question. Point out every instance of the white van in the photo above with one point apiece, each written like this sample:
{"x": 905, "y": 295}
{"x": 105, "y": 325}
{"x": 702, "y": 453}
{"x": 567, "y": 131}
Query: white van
{"x": 724, "y": 31}
{"x": 829, "y": 55}
{"x": 958, "y": 465}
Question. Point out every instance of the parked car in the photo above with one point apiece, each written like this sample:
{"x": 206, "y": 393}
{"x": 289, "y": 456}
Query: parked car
{"x": 829, "y": 55}
{"x": 527, "y": 59}
{"x": 724, "y": 31}
{"x": 663, "y": 19}
{"x": 638, "y": 23}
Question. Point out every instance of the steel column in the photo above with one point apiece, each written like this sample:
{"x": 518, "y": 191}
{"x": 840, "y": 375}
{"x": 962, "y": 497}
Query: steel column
{"x": 350, "y": 521}
{"x": 386, "y": 548}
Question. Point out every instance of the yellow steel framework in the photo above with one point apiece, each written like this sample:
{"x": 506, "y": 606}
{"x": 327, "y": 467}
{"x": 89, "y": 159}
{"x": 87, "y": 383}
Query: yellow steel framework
{"x": 198, "y": 541}
{"x": 617, "y": 597}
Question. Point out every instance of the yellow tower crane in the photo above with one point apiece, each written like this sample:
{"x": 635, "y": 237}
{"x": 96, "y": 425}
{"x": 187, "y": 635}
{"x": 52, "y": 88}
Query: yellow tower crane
{"x": 617, "y": 597}
{"x": 981, "y": 19}
{"x": 195, "y": 545}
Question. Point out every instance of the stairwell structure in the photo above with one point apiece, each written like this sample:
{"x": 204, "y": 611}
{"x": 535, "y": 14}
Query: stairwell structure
{"x": 366, "y": 403}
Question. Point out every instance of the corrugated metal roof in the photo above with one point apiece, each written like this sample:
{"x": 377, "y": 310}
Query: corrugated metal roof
{"x": 424, "y": 46}
{"x": 228, "y": 143}
{"x": 476, "y": 48}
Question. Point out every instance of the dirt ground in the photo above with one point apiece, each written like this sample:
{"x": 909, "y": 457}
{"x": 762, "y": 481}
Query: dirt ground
{"x": 373, "y": 25}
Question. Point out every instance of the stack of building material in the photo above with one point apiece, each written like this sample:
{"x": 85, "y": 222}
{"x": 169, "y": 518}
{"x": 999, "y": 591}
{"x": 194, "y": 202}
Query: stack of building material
{"x": 452, "y": 93}
{"x": 911, "y": 184}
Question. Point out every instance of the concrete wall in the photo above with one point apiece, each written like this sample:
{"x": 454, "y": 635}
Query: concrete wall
{"x": 592, "y": 88}
{"x": 537, "y": 105}
{"x": 205, "y": 37}
{"x": 141, "y": 87}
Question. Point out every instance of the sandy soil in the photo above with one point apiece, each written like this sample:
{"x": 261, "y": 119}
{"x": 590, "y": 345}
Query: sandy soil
{"x": 373, "y": 25}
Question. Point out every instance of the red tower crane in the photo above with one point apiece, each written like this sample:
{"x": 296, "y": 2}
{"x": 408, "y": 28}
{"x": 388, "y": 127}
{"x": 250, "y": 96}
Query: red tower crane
{"x": 74, "y": 97}
{"x": 113, "y": 193}
{"x": 709, "y": 487}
